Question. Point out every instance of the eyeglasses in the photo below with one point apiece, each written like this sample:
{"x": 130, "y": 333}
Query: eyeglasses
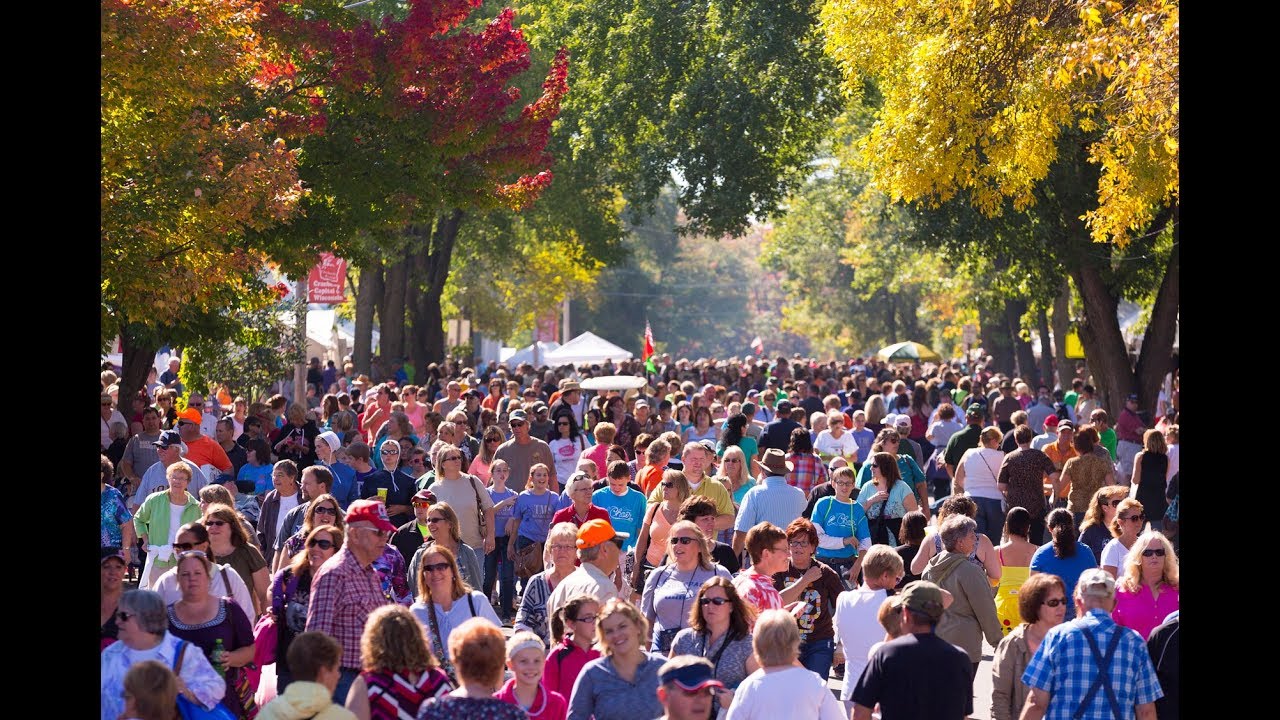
{"x": 391, "y": 451}
{"x": 322, "y": 544}
{"x": 1153, "y": 552}
{"x": 585, "y": 619}
{"x": 183, "y": 547}
{"x": 562, "y": 424}
{"x": 684, "y": 540}
{"x": 798, "y": 543}
{"x": 1139, "y": 517}
{"x": 563, "y": 547}
{"x": 436, "y": 567}
{"x": 848, "y": 483}
{"x": 122, "y": 616}
{"x": 434, "y": 520}
{"x": 717, "y": 601}
{"x": 667, "y": 484}
{"x": 215, "y": 523}
{"x": 376, "y": 531}
{"x": 1055, "y": 602}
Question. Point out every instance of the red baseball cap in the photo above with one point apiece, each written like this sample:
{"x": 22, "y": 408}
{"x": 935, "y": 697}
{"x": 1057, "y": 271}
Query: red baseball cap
{"x": 370, "y": 511}
{"x": 1051, "y": 421}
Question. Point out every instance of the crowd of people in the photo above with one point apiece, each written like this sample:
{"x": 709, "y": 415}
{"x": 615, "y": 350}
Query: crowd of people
{"x": 716, "y": 544}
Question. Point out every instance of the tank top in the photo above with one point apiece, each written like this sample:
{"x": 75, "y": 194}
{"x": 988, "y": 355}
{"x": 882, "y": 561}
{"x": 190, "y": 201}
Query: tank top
{"x": 659, "y": 529}
{"x": 1151, "y": 484}
{"x": 392, "y": 696}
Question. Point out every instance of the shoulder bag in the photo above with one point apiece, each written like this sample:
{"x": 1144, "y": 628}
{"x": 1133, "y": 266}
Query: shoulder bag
{"x": 191, "y": 710}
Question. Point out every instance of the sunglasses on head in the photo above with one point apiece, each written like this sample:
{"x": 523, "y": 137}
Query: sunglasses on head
{"x": 322, "y": 544}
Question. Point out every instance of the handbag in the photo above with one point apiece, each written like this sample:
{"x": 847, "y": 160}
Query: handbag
{"x": 266, "y": 633}
{"x": 479, "y": 506}
{"x": 529, "y": 561}
{"x": 192, "y": 710}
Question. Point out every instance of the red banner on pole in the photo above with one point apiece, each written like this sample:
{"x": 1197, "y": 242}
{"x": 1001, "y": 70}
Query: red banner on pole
{"x": 327, "y": 282}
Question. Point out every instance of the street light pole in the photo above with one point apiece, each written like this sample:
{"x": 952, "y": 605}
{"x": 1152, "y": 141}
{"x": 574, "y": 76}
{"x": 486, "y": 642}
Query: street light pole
{"x": 300, "y": 365}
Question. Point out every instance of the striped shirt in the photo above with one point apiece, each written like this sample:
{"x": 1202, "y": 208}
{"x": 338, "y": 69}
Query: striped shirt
{"x": 343, "y": 593}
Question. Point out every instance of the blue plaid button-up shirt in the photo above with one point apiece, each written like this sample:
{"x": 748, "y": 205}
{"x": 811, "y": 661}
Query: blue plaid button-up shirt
{"x": 1064, "y": 667}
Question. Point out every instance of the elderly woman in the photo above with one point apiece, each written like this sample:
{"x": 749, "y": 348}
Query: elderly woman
{"x": 972, "y": 613}
{"x": 1095, "y": 531}
{"x": 720, "y": 630}
{"x": 1064, "y": 556}
{"x": 984, "y": 555}
{"x": 398, "y": 673}
{"x": 781, "y": 688}
{"x": 1125, "y": 528}
{"x": 224, "y": 581}
{"x": 113, "y": 567}
{"x": 444, "y": 600}
{"x": 623, "y": 684}
{"x": 144, "y": 635}
{"x": 735, "y": 473}
{"x": 479, "y": 650}
{"x": 218, "y": 627}
{"x": 296, "y": 439}
{"x": 155, "y": 522}
{"x": 291, "y": 592}
{"x": 976, "y": 476}
{"x": 1148, "y": 590}
{"x": 560, "y": 557}
{"x": 671, "y": 589}
{"x": 231, "y": 545}
{"x": 1042, "y": 604}
{"x": 578, "y": 488}
{"x": 442, "y": 521}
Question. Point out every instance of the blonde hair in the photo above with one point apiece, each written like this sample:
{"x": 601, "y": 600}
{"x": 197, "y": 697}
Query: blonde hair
{"x": 618, "y": 605}
{"x": 704, "y": 550}
{"x": 680, "y": 481}
{"x": 1095, "y": 515}
{"x": 1131, "y": 580}
{"x": 744, "y": 472}
{"x": 776, "y": 638}
{"x": 561, "y": 530}
{"x": 460, "y": 587}
{"x": 1126, "y": 504}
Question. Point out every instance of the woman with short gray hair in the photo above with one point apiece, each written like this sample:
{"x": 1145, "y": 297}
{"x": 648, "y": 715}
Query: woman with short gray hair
{"x": 972, "y": 613}
{"x": 144, "y": 635}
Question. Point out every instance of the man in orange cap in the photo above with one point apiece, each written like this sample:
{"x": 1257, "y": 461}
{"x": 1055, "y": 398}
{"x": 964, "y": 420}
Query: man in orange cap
{"x": 201, "y": 449}
{"x": 599, "y": 548}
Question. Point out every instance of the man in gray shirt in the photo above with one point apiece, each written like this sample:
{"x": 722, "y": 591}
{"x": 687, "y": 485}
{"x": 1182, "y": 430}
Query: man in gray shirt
{"x": 523, "y": 451}
{"x": 140, "y": 453}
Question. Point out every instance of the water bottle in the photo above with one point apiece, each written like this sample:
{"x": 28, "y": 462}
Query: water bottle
{"x": 216, "y": 658}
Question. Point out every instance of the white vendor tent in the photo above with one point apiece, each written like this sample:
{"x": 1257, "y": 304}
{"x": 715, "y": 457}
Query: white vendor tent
{"x": 586, "y": 348}
{"x": 526, "y": 354}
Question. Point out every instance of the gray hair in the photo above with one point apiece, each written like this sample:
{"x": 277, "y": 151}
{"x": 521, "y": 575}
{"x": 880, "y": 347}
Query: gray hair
{"x": 148, "y": 608}
{"x": 590, "y": 554}
{"x": 954, "y": 529}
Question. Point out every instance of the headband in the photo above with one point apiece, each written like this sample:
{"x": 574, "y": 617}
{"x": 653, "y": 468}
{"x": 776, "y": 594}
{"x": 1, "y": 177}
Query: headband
{"x": 524, "y": 645}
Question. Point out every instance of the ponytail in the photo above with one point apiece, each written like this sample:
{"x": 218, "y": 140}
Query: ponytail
{"x": 1062, "y": 525}
{"x": 557, "y": 625}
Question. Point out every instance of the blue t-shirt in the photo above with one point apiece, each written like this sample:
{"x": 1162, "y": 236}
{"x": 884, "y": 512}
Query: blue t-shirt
{"x": 260, "y": 475}
{"x": 534, "y": 513}
{"x": 500, "y": 518}
{"x": 842, "y": 520}
{"x": 1069, "y": 569}
{"x": 625, "y": 513}
{"x": 864, "y": 438}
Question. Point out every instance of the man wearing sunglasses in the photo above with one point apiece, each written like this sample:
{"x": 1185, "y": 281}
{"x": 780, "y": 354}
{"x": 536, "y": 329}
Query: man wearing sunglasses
{"x": 599, "y": 549}
{"x": 1090, "y": 666}
{"x": 347, "y": 587}
{"x": 522, "y": 451}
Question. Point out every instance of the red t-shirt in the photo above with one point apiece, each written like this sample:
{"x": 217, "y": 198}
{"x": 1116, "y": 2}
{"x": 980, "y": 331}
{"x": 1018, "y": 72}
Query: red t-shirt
{"x": 569, "y": 515}
{"x": 649, "y": 476}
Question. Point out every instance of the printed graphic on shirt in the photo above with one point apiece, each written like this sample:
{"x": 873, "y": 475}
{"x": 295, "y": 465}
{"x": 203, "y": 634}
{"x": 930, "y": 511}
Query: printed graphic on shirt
{"x": 808, "y": 619}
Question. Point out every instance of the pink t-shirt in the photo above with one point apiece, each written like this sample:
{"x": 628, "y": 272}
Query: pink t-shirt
{"x": 758, "y": 590}
{"x": 1141, "y": 610}
{"x": 547, "y": 704}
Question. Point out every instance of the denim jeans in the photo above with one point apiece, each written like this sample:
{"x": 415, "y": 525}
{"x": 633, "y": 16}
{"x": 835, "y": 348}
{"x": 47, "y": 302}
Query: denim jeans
{"x": 346, "y": 676}
{"x": 498, "y": 568}
{"x": 817, "y": 656}
{"x": 990, "y": 518}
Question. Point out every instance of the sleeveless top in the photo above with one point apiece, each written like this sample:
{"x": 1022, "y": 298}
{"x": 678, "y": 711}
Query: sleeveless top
{"x": 1011, "y": 579}
{"x": 1151, "y": 484}
{"x": 392, "y": 696}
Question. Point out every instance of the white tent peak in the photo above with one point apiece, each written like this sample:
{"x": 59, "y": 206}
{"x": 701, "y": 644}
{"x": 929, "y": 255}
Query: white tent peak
{"x": 586, "y": 348}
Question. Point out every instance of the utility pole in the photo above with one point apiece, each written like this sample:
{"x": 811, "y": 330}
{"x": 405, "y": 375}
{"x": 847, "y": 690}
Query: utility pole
{"x": 300, "y": 365}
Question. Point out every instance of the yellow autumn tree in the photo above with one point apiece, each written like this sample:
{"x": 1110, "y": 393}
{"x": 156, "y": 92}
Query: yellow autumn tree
{"x": 977, "y": 92}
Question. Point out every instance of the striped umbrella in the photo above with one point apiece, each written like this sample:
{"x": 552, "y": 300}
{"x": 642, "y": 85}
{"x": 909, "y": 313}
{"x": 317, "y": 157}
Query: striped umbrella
{"x": 905, "y": 352}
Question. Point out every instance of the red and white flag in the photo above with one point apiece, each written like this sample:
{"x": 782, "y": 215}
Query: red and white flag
{"x": 758, "y": 345}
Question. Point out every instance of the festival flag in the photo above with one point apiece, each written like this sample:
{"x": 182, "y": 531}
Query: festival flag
{"x": 758, "y": 345}
{"x": 647, "y": 356}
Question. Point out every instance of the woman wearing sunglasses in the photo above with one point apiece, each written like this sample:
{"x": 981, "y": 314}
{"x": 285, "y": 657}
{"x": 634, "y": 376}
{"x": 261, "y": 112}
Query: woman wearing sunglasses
{"x": 671, "y": 590}
{"x": 224, "y": 581}
{"x": 489, "y": 442}
{"x": 231, "y": 545}
{"x": 323, "y": 510}
{"x": 1095, "y": 531}
{"x": 445, "y": 601}
{"x": 1126, "y": 526}
{"x": 1148, "y": 590}
{"x": 204, "y": 619}
{"x": 1042, "y": 604}
{"x": 567, "y": 444}
{"x": 719, "y": 630}
{"x": 442, "y": 522}
{"x": 291, "y": 591}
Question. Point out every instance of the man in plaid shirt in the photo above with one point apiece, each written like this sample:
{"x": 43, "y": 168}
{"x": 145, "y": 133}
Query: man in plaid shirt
{"x": 347, "y": 587}
{"x": 804, "y": 468}
{"x": 1091, "y": 668}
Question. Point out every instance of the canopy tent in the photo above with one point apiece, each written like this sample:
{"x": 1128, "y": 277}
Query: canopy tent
{"x": 586, "y": 348}
{"x": 526, "y": 354}
{"x": 905, "y": 352}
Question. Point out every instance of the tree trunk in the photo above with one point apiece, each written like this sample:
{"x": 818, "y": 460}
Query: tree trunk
{"x": 1103, "y": 343}
{"x": 367, "y": 296}
{"x": 1046, "y": 351}
{"x": 392, "y": 312}
{"x": 1061, "y": 327}
{"x": 1023, "y": 358}
{"x": 139, "y": 352}
{"x": 429, "y": 271}
{"x": 892, "y": 318}
{"x": 994, "y": 339}
{"x": 1157, "y": 342}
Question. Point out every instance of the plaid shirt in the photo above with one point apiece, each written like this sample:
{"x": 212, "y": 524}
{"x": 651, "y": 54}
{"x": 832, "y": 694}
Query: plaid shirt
{"x": 1064, "y": 667}
{"x": 342, "y": 595}
{"x": 807, "y": 471}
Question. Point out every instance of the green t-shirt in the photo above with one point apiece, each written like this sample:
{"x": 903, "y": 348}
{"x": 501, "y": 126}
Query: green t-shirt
{"x": 1109, "y": 442}
{"x": 1070, "y": 399}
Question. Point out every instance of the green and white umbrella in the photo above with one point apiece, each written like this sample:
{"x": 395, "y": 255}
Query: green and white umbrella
{"x": 905, "y": 352}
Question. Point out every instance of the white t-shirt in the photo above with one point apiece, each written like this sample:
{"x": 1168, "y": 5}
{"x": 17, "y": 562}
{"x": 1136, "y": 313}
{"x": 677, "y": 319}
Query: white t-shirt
{"x": 1173, "y": 464}
{"x": 1113, "y": 554}
{"x": 857, "y": 629}
{"x": 175, "y": 522}
{"x": 791, "y": 693}
{"x": 116, "y": 417}
{"x": 981, "y": 466}
{"x": 287, "y": 503}
{"x": 828, "y": 444}
{"x": 566, "y": 453}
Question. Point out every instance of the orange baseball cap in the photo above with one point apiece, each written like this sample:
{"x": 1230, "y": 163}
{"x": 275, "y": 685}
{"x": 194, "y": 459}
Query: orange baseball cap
{"x": 594, "y": 532}
{"x": 191, "y": 415}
